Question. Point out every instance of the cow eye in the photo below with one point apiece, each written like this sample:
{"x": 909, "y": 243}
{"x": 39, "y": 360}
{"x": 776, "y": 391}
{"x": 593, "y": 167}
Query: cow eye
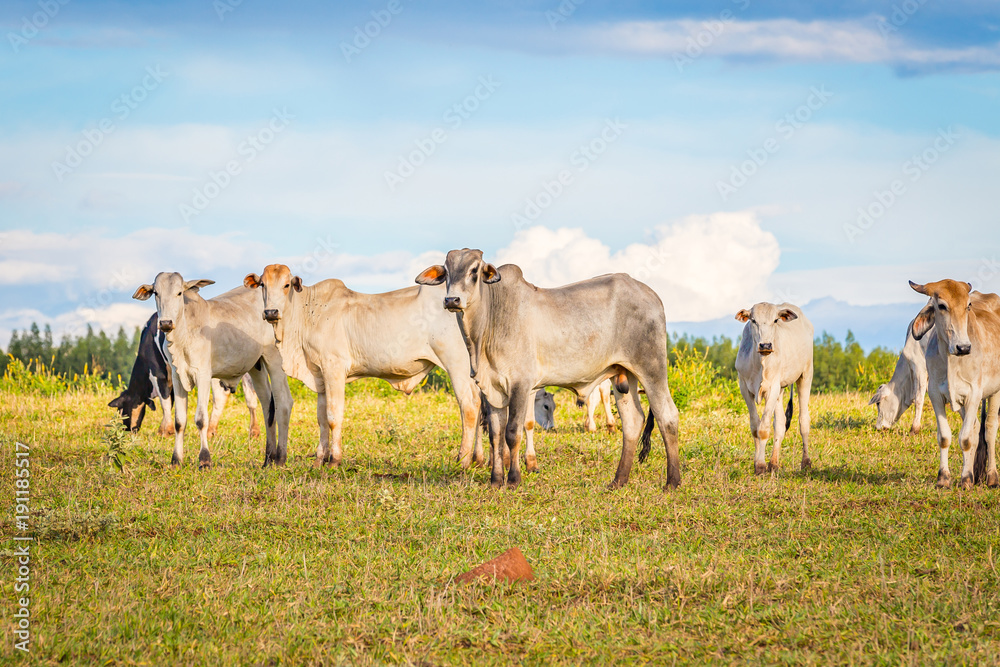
{"x": 753, "y": 320}
{"x": 969, "y": 307}
{"x": 941, "y": 306}
{"x": 287, "y": 285}
{"x": 179, "y": 293}
{"x": 776, "y": 320}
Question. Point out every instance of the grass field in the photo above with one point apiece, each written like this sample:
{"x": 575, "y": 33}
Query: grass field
{"x": 859, "y": 561}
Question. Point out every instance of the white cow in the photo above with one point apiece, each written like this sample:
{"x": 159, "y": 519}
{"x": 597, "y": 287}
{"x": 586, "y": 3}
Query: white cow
{"x": 600, "y": 395}
{"x": 222, "y": 338}
{"x": 906, "y": 387}
{"x": 330, "y": 335}
{"x": 963, "y": 368}
{"x": 776, "y": 350}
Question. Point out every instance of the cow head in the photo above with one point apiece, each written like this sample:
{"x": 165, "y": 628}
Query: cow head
{"x": 765, "y": 318}
{"x": 464, "y": 272}
{"x": 947, "y": 312}
{"x": 276, "y": 284}
{"x": 545, "y": 410}
{"x": 889, "y": 406}
{"x": 169, "y": 289}
{"x": 132, "y": 410}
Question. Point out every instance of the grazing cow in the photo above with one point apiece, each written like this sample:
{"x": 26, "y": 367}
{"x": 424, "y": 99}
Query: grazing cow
{"x": 522, "y": 338}
{"x": 222, "y": 338}
{"x": 330, "y": 335}
{"x": 600, "y": 395}
{"x": 963, "y": 368}
{"x": 906, "y": 387}
{"x": 150, "y": 381}
{"x": 776, "y": 350}
{"x": 545, "y": 410}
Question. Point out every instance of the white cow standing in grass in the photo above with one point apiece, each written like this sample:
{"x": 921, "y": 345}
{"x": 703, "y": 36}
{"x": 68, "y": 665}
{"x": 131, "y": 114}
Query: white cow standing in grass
{"x": 776, "y": 351}
{"x": 906, "y": 387}
{"x": 223, "y": 337}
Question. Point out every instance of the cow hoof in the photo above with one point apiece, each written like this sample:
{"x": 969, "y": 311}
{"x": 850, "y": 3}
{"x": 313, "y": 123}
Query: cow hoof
{"x": 166, "y": 431}
{"x": 212, "y": 431}
{"x": 759, "y": 469}
{"x": 175, "y": 462}
{"x": 914, "y": 430}
{"x": 531, "y": 464}
{"x": 967, "y": 482}
{"x": 943, "y": 481}
{"x": 616, "y": 484}
{"x": 772, "y": 466}
{"x": 255, "y": 433}
{"x": 671, "y": 486}
{"x": 204, "y": 464}
{"x": 496, "y": 483}
{"x": 807, "y": 464}
{"x": 992, "y": 479}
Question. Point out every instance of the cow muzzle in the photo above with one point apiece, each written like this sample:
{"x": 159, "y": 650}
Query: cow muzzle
{"x": 963, "y": 350}
{"x": 272, "y": 315}
{"x": 765, "y": 349}
{"x": 166, "y": 326}
{"x": 453, "y": 303}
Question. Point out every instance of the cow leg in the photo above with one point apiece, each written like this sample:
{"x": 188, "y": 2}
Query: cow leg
{"x": 467, "y": 395}
{"x": 334, "y": 383}
{"x": 262, "y": 388}
{"x": 201, "y": 420}
{"x": 779, "y": 430}
{"x": 517, "y": 414}
{"x": 282, "y": 397}
{"x": 530, "y": 459}
{"x": 668, "y": 417}
{"x": 323, "y": 448}
{"x": 180, "y": 419}
{"x": 804, "y": 386}
{"x": 609, "y": 419}
{"x": 944, "y": 438}
{"x": 497, "y": 421}
{"x": 478, "y": 455}
{"x": 919, "y": 389}
{"x": 592, "y": 400}
{"x": 219, "y": 398}
{"x": 992, "y": 420}
{"x": 630, "y": 411}
{"x": 759, "y": 462}
{"x": 167, "y": 418}
{"x": 968, "y": 437}
{"x": 250, "y": 397}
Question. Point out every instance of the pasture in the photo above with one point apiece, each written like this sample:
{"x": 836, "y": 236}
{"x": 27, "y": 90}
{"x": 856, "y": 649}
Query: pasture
{"x": 861, "y": 560}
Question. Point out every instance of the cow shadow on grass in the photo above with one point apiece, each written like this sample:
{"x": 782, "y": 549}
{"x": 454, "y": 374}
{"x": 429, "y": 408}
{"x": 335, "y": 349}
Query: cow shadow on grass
{"x": 841, "y": 474}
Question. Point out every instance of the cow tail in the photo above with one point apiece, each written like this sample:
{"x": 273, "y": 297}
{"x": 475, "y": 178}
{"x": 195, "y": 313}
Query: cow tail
{"x": 647, "y": 433}
{"x": 979, "y": 466}
{"x": 788, "y": 410}
{"x": 270, "y": 411}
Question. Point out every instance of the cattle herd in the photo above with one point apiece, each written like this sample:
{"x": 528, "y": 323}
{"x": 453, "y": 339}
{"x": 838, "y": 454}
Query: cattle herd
{"x": 502, "y": 340}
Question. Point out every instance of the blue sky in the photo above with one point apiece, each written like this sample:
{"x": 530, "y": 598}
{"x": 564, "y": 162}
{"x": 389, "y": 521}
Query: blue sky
{"x": 722, "y": 151}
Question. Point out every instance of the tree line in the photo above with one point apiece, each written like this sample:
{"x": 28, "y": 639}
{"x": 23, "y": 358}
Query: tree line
{"x": 838, "y": 366}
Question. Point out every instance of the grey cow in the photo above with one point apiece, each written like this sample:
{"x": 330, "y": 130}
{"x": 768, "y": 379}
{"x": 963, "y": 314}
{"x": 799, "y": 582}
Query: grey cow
{"x": 907, "y": 386}
{"x": 522, "y": 337}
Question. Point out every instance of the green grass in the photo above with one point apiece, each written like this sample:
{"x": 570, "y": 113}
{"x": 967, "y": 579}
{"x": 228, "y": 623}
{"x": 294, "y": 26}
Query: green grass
{"x": 861, "y": 560}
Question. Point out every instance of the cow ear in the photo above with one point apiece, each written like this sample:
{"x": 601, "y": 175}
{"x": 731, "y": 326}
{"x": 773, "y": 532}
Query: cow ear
{"x": 923, "y": 322}
{"x": 970, "y": 286}
{"x": 197, "y": 284}
{"x": 920, "y": 289}
{"x": 252, "y": 281}
{"x": 878, "y": 395}
{"x": 143, "y": 293}
{"x": 490, "y": 274}
{"x": 296, "y": 283}
{"x": 117, "y": 403}
{"x": 435, "y": 275}
{"x": 787, "y": 315}
{"x": 743, "y": 315}
{"x": 151, "y": 404}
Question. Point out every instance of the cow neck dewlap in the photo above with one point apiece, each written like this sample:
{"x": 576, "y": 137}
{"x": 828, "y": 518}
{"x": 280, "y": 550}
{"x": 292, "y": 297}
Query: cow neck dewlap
{"x": 499, "y": 326}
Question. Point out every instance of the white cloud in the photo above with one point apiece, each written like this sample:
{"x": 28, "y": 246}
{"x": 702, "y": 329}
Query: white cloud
{"x": 702, "y": 267}
{"x": 853, "y": 41}
{"x": 74, "y": 323}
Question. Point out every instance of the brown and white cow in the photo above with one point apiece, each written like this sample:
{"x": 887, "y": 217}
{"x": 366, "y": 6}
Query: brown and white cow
{"x": 963, "y": 367}
{"x": 222, "y": 338}
{"x": 330, "y": 335}
{"x": 522, "y": 338}
{"x": 906, "y": 387}
{"x": 776, "y": 351}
